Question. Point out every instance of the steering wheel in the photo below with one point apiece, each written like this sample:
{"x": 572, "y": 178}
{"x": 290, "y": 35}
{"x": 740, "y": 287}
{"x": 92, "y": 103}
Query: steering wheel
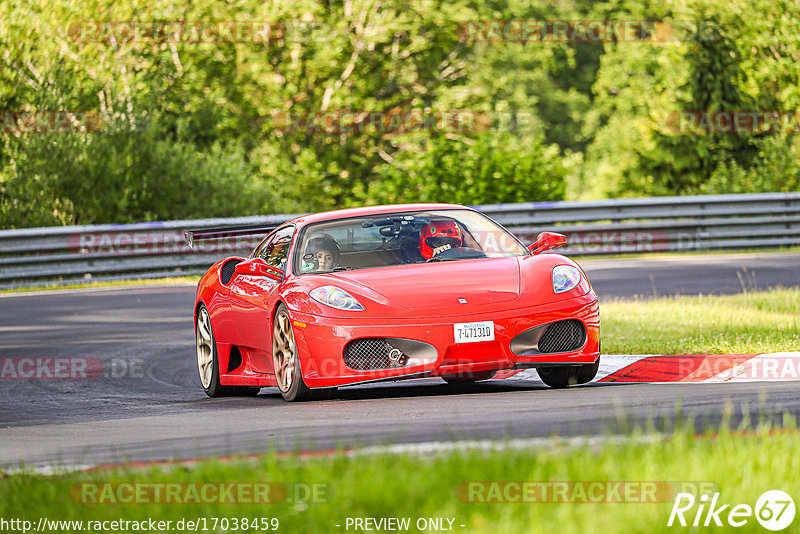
{"x": 464, "y": 253}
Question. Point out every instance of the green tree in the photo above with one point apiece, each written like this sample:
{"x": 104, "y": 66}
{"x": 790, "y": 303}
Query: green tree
{"x": 720, "y": 60}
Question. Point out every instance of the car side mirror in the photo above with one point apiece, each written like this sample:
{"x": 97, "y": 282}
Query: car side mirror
{"x": 546, "y": 241}
{"x": 258, "y": 267}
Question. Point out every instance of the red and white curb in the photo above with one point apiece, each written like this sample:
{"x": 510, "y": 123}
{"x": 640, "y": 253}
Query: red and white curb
{"x": 705, "y": 368}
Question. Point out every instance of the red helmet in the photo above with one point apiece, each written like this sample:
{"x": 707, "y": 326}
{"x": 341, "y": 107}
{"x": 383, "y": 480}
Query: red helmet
{"x": 438, "y": 236}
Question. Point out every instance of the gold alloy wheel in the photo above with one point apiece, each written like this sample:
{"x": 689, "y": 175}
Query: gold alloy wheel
{"x": 284, "y": 351}
{"x": 205, "y": 348}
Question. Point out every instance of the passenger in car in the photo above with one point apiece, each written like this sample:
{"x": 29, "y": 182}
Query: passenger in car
{"x": 322, "y": 253}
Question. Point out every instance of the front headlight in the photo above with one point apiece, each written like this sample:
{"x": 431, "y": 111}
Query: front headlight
{"x": 565, "y": 277}
{"x": 335, "y": 298}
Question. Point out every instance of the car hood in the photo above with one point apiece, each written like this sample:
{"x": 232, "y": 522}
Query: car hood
{"x": 439, "y": 285}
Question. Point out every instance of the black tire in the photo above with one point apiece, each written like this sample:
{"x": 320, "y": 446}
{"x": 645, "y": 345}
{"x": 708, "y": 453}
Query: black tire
{"x": 586, "y": 373}
{"x": 468, "y": 378}
{"x": 558, "y": 376}
{"x": 561, "y": 376}
{"x": 292, "y": 389}
{"x": 208, "y": 342}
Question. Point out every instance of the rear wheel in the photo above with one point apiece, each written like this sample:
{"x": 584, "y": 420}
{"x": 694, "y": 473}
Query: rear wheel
{"x": 466, "y": 378}
{"x": 208, "y": 362}
{"x": 287, "y": 364}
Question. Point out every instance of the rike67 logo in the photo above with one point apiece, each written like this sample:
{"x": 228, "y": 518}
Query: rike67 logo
{"x": 774, "y": 510}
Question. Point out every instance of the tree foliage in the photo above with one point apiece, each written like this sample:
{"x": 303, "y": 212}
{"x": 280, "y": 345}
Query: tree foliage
{"x": 193, "y": 129}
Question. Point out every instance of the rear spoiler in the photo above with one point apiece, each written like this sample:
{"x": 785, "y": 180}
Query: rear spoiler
{"x": 190, "y": 236}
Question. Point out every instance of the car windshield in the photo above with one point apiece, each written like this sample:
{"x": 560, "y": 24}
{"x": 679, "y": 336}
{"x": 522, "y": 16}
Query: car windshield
{"x": 402, "y": 238}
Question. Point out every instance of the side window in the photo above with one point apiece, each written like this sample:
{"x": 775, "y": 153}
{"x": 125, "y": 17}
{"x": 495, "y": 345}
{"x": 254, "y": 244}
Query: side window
{"x": 275, "y": 250}
{"x": 259, "y": 250}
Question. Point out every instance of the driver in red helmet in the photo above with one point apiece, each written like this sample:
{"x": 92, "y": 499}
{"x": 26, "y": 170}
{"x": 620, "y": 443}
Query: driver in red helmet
{"x": 438, "y": 236}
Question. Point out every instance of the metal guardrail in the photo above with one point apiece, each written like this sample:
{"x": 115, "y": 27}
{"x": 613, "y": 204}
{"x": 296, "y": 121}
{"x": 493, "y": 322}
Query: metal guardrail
{"x": 641, "y": 225}
{"x": 34, "y": 256}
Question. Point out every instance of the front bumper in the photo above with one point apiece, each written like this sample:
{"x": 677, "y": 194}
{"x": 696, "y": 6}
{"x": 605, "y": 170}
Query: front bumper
{"x": 321, "y": 341}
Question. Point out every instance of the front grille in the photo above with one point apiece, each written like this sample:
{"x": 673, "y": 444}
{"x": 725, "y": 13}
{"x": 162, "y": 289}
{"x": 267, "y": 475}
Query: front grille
{"x": 563, "y": 336}
{"x": 228, "y": 268}
{"x": 371, "y": 353}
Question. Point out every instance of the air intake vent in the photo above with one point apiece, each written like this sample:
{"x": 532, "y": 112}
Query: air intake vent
{"x": 370, "y": 353}
{"x": 228, "y": 268}
{"x": 386, "y": 353}
{"x": 563, "y": 336}
{"x": 560, "y": 336}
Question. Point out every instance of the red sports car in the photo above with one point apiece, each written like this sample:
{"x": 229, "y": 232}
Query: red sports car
{"x": 390, "y": 293}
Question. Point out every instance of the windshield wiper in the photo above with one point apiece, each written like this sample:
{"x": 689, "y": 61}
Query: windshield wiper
{"x": 341, "y": 268}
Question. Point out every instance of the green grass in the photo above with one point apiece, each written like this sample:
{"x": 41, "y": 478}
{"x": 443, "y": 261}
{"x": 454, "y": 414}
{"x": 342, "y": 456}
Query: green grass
{"x": 741, "y": 467}
{"x": 750, "y": 322}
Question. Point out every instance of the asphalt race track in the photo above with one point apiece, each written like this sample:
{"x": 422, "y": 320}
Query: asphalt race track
{"x": 149, "y": 404}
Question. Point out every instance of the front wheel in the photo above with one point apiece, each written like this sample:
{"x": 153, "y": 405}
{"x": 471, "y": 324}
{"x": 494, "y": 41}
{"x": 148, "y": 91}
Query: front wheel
{"x": 287, "y": 364}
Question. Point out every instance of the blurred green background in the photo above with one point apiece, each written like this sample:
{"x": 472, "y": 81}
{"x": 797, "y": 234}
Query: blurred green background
{"x": 187, "y": 128}
{"x": 741, "y": 465}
